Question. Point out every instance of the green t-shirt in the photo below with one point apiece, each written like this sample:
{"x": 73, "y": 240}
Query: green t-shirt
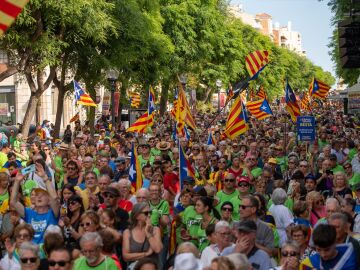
{"x": 28, "y": 186}
{"x": 155, "y": 152}
{"x": 143, "y": 161}
{"x": 256, "y": 172}
{"x": 338, "y": 168}
{"x": 236, "y": 202}
{"x": 192, "y": 220}
{"x": 59, "y": 175}
{"x": 108, "y": 264}
{"x": 354, "y": 179}
{"x": 3, "y": 159}
{"x": 159, "y": 210}
{"x": 352, "y": 153}
{"x": 282, "y": 162}
{"x": 223, "y": 197}
{"x": 201, "y": 235}
{"x": 4, "y": 197}
{"x": 322, "y": 143}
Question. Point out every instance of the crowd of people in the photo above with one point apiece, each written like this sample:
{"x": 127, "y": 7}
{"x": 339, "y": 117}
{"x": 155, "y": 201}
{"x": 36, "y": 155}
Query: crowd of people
{"x": 261, "y": 201}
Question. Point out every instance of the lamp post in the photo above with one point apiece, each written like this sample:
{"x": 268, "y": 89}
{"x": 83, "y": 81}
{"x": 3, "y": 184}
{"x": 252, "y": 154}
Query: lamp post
{"x": 183, "y": 80}
{"x": 218, "y": 85}
{"x": 112, "y": 75}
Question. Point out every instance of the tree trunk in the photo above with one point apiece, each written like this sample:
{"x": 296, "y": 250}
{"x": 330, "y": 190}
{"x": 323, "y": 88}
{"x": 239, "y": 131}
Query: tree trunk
{"x": 164, "y": 97}
{"x": 30, "y": 112}
{"x": 207, "y": 94}
{"x": 38, "y": 112}
{"x": 59, "y": 110}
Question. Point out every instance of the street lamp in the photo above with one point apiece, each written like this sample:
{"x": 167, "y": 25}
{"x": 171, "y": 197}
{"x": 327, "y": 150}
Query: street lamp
{"x": 112, "y": 75}
{"x": 218, "y": 85}
{"x": 183, "y": 80}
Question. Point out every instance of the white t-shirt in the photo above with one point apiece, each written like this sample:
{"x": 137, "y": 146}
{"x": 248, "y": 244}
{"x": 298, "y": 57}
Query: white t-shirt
{"x": 283, "y": 218}
{"x": 208, "y": 254}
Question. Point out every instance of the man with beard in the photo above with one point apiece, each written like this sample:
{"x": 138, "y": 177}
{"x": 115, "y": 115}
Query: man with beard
{"x": 91, "y": 245}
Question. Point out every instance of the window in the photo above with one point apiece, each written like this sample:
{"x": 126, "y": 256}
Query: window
{"x": 3, "y": 57}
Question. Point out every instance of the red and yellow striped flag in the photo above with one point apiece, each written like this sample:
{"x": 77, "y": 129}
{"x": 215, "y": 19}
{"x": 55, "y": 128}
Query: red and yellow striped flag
{"x": 135, "y": 99}
{"x": 305, "y": 102}
{"x": 9, "y": 10}
{"x": 256, "y": 61}
{"x": 261, "y": 93}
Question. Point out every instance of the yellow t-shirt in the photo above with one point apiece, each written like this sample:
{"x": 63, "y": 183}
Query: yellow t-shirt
{"x": 85, "y": 195}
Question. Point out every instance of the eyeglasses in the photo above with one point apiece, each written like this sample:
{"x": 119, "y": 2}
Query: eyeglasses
{"x": 245, "y": 206}
{"x": 87, "y": 224}
{"x": 319, "y": 202}
{"x": 289, "y": 254}
{"x": 227, "y": 209}
{"x": 229, "y": 180}
{"x": 28, "y": 260}
{"x": 23, "y": 236}
{"x": 157, "y": 181}
{"x": 59, "y": 263}
{"x": 46, "y": 149}
{"x": 222, "y": 161}
{"x": 71, "y": 168}
{"x": 147, "y": 213}
{"x": 243, "y": 185}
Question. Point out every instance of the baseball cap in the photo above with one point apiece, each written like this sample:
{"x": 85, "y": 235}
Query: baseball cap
{"x": 189, "y": 180}
{"x": 120, "y": 160}
{"x": 272, "y": 160}
{"x": 243, "y": 179}
{"x": 246, "y": 226}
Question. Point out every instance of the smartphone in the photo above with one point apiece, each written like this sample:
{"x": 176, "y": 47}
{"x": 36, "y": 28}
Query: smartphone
{"x": 28, "y": 169}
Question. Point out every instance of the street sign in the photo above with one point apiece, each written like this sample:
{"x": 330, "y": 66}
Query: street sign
{"x": 306, "y": 128}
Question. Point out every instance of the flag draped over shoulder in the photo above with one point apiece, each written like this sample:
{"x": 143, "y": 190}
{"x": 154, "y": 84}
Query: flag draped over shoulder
{"x": 135, "y": 174}
{"x": 185, "y": 167}
{"x": 305, "y": 102}
{"x": 211, "y": 139}
{"x": 255, "y": 62}
{"x": 318, "y": 89}
{"x": 259, "y": 108}
{"x": 291, "y": 104}
{"x": 82, "y": 97}
{"x": 9, "y": 10}
{"x": 236, "y": 123}
{"x": 147, "y": 119}
{"x": 135, "y": 99}
{"x": 261, "y": 93}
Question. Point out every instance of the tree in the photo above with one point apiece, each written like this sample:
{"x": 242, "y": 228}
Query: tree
{"x": 42, "y": 35}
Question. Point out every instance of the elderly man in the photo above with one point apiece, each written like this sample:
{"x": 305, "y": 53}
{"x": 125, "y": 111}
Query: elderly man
{"x": 121, "y": 169}
{"x": 91, "y": 245}
{"x": 142, "y": 195}
{"x": 46, "y": 210}
{"x": 223, "y": 240}
{"x": 340, "y": 223}
{"x": 125, "y": 188}
{"x": 264, "y": 235}
{"x": 88, "y": 165}
{"x": 245, "y": 243}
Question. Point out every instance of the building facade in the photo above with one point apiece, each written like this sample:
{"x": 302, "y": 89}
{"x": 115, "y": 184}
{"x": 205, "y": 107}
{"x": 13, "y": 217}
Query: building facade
{"x": 282, "y": 36}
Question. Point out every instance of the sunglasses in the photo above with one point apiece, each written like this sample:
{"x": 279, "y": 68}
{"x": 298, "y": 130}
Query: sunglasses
{"x": 87, "y": 224}
{"x": 222, "y": 161}
{"x": 147, "y": 213}
{"x": 243, "y": 185}
{"x": 229, "y": 180}
{"x": 59, "y": 263}
{"x": 46, "y": 149}
{"x": 245, "y": 206}
{"x": 73, "y": 202}
{"x": 108, "y": 195}
{"x": 319, "y": 202}
{"x": 29, "y": 260}
{"x": 71, "y": 168}
{"x": 227, "y": 209}
{"x": 289, "y": 254}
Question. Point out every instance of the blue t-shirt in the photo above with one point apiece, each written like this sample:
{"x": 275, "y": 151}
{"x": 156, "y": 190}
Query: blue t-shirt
{"x": 39, "y": 222}
{"x": 146, "y": 183}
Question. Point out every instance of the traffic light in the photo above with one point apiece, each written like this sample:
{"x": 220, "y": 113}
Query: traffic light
{"x": 349, "y": 43}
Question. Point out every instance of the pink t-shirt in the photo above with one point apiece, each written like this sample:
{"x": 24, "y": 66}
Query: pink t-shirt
{"x": 315, "y": 217}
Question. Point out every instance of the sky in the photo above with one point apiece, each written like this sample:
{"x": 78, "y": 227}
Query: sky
{"x": 309, "y": 17}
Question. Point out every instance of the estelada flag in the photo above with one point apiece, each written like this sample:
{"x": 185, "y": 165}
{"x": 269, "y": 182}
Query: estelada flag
{"x": 75, "y": 118}
{"x": 318, "y": 89}
{"x": 259, "y": 108}
{"x": 82, "y": 97}
{"x": 291, "y": 103}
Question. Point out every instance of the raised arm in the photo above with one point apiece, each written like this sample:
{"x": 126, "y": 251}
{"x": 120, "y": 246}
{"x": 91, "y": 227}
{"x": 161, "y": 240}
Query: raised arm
{"x": 14, "y": 194}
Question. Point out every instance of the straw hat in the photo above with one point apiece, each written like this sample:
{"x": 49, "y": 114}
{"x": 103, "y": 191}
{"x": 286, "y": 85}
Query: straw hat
{"x": 163, "y": 146}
